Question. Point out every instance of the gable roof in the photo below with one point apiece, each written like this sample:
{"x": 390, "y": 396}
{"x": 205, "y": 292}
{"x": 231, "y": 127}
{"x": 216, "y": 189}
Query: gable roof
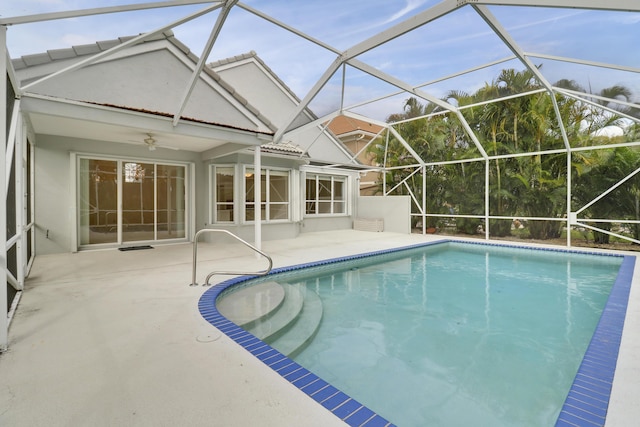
{"x": 254, "y": 56}
{"x": 236, "y": 70}
{"x": 242, "y": 84}
{"x": 36, "y": 66}
{"x": 254, "y": 79}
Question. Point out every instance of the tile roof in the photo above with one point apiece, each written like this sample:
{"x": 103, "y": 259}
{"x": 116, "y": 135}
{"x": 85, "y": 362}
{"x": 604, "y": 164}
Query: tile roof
{"x": 80, "y": 50}
{"x": 341, "y": 125}
{"x": 100, "y": 46}
{"x": 185, "y": 118}
{"x": 282, "y": 147}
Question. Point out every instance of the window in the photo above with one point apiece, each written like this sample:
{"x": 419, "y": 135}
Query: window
{"x": 224, "y": 177}
{"x": 325, "y": 195}
{"x": 274, "y": 203}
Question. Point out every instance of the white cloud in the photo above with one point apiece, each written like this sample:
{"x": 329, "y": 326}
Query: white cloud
{"x": 409, "y": 7}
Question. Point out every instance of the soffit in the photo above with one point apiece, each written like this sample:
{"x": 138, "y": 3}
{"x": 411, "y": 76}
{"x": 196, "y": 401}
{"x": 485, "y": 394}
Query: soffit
{"x": 91, "y": 122}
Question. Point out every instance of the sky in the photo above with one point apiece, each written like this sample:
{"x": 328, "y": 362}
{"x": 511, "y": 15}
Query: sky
{"x": 454, "y": 43}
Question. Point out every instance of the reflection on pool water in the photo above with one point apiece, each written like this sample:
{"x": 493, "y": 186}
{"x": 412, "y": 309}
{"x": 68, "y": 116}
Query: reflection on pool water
{"x": 451, "y": 334}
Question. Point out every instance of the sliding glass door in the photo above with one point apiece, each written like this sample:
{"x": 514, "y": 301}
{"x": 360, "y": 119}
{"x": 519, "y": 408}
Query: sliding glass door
{"x": 127, "y": 201}
{"x": 170, "y": 202}
{"x": 98, "y": 201}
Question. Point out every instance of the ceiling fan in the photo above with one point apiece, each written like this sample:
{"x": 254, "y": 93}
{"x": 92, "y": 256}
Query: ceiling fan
{"x": 152, "y": 144}
{"x": 150, "y": 141}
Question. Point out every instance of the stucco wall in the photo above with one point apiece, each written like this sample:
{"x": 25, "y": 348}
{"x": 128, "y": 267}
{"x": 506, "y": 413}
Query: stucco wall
{"x": 54, "y": 203}
{"x": 310, "y": 225}
{"x": 54, "y": 187}
{"x": 394, "y": 210}
{"x": 276, "y": 104}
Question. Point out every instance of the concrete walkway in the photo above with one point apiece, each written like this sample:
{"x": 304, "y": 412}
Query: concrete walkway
{"x": 106, "y": 338}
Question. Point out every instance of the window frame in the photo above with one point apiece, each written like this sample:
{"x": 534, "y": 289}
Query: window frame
{"x": 188, "y": 206}
{"x": 317, "y": 177}
{"x": 266, "y": 203}
{"x": 214, "y": 203}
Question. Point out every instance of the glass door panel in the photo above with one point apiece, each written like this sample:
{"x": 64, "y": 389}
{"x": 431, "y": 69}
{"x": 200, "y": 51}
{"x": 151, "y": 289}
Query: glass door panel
{"x": 98, "y": 201}
{"x": 138, "y": 201}
{"x": 171, "y": 201}
{"x": 152, "y": 201}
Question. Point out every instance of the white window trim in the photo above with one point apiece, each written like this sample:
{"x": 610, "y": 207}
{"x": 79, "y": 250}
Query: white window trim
{"x": 265, "y": 219}
{"x": 346, "y": 195}
{"x": 213, "y": 195}
{"x": 74, "y": 166}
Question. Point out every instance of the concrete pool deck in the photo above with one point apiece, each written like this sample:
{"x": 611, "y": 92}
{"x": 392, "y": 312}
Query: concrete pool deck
{"x": 107, "y": 338}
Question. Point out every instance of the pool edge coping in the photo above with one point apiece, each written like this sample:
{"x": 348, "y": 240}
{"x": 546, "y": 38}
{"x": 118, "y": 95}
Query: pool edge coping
{"x": 587, "y": 400}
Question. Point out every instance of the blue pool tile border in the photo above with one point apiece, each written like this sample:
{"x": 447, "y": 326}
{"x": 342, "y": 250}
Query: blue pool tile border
{"x": 586, "y": 403}
{"x": 588, "y": 399}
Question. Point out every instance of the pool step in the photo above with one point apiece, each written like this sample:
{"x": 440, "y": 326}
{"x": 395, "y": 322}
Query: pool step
{"x": 284, "y": 316}
{"x": 297, "y": 334}
{"x": 281, "y": 317}
{"x": 251, "y": 304}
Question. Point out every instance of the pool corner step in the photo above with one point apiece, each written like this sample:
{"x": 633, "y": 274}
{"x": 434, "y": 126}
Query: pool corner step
{"x": 285, "y": 316}
{"x": 298, "y": 333}
{"x": 280, "y": 318}
{"x": 251, "y": 304}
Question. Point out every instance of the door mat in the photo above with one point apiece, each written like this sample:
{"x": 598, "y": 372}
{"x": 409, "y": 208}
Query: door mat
{"x": 135, "y": 248}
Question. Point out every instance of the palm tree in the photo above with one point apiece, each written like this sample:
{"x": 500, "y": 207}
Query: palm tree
{"x": 597, "y": 119}
{"x": 596, "y": 172}
{"x": 533, "y": 186}
{"x": 512, "y": 82}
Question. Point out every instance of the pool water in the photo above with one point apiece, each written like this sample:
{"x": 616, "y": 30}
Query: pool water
{"x": 456, "y": 334}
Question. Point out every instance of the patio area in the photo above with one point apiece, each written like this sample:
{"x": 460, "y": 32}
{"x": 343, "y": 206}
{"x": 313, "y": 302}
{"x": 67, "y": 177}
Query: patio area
{"x": 115, "y": 338}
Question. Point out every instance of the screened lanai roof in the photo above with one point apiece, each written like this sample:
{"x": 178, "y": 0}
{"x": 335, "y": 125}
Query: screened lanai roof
{"x": 367, "y": 58}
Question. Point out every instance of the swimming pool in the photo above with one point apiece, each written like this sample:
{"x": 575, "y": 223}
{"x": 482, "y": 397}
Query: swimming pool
{"x": 449, "y": 320}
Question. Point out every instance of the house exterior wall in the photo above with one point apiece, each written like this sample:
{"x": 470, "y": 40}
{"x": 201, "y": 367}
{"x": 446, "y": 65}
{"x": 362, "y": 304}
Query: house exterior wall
{"x": 54, "y": 185}
{"x": 298, "y": 222}
{"x": 312, "y": 225}
{"x": 55, "y": 203}
{"x": 344, "y": 221}
{"x": 151, "y": 77}
{"x": 395, "y": 211}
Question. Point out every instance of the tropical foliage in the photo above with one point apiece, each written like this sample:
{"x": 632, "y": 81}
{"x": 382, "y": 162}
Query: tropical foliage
{"x": 524, "y": 134}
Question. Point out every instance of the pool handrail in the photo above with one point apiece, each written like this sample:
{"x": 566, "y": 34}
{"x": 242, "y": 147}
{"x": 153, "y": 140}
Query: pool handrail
{"x": 214, "y": 230}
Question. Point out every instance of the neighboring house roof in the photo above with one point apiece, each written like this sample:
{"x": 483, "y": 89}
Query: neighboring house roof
{"x": 356, "y": 134}
{"x": 344, "y": 125}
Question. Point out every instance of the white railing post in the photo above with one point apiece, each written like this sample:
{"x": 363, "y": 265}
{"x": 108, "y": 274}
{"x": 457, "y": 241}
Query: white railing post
{"x": 233, "y": 273}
